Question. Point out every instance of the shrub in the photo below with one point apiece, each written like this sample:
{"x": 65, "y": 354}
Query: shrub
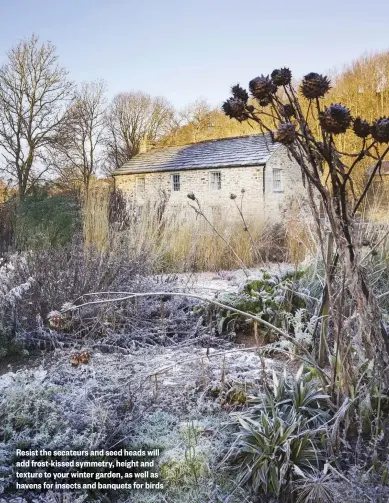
{"x": 46, "y": 220}
{"x": 37, "y": 282}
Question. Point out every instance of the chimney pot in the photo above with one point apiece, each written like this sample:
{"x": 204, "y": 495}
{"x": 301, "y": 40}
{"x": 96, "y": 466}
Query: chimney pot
{"x": 143, "y": 147}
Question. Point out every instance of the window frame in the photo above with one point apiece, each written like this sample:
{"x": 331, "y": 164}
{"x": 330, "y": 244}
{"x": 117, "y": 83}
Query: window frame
{"x": 276, "y": 181}
{"x": 138, "y": 185}
{"x": 175, "y": 184}
{"x": 217, "y": 183}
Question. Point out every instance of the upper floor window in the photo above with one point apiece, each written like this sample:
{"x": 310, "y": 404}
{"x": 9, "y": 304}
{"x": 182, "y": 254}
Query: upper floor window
{"x": 277, "y": 180}
{"x": 140, "y": 185}
{"x": 176, "y": 183}
{"x": 215, "y": 181}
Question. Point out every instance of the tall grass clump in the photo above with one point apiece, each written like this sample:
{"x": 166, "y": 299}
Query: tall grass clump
{"x": 175, "y": 240}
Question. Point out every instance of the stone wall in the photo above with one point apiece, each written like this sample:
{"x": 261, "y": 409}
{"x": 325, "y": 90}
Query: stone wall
{"x": 260, "y": 200}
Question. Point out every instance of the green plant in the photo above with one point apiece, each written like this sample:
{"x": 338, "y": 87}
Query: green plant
{"x": 46, "y": 219}
{"x": 279, "y": 436}
{"x": 269, "y": 296}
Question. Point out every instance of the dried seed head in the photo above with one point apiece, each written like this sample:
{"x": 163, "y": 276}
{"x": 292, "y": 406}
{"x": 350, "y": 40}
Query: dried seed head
{"x": 380, "y": 130}
{"x": 262, "y": 87}
{"x": 335, "y": 119}
{"x": 281, "y": 77}
{"x": 235, "y": 108}
{"x": 315, "y": 85}
{"x": 288, "y": 111}
{"x": 233, "y": 196}
{"x": 264, "y": 102}
{"x": 240, "y": 93}
{"x": 361, "y": 127}
{"x": 286, "y": 133}
{"x": 191, "y": 196}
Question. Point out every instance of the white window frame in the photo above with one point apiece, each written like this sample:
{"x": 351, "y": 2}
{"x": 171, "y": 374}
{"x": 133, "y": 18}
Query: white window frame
{"x": 140, "y": 185}
{"x": 176, "y": 184}
{"x": 215, "y": 180}
{"x": 278, "y": 180}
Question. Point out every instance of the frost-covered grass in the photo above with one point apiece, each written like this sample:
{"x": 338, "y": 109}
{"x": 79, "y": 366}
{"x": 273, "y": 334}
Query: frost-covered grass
{"x": 117, "y": 400}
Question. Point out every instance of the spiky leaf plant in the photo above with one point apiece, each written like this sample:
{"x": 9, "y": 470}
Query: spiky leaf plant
{"x": 278, "y": 437}
{"x": 300, "y": 396}
{"x": 316, "y": 487}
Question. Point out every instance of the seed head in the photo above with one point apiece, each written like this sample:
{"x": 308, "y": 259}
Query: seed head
{"x": 335, "y": 119}
{"x": 286, "y": 133}
{"x": 262, "y": 87}
{"x": 281, "y": 77}
{"x": 315, "y": 85}
{"x": 288, "y": 111}
{"x": 264, "y": 102}
{"x": 235, "y": 108}
{"x": 240, "y": 93}
{"x": 380, "y": 130}
{"x": 361, "y": 127}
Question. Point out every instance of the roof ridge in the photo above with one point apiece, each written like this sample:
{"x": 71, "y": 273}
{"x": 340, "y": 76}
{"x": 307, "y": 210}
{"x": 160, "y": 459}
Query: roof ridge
{"x": 213, "y": 140}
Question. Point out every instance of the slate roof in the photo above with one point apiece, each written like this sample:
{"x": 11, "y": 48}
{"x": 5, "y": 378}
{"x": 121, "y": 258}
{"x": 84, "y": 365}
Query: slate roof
{"x": 252, "y": 150}
{"x": 384, "y": 170}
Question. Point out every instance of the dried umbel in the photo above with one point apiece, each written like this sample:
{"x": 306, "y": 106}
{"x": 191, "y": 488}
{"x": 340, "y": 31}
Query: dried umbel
{"x": 233, "y": 196}
{"x": 380, "y": 130}
{"x": 262, "y": 87}
{"x": 287, "y": 111}
{"x": 361, "y": 127}
{"x": 235, "y": 108}
{"x": 191, "y": 196}
{"x": 239, "y": 93}
{"x": 282, "y": 77}
{"x": 314, "y": 86}
{"x": 285, "y": 134}
{"x": 335, "y": 119}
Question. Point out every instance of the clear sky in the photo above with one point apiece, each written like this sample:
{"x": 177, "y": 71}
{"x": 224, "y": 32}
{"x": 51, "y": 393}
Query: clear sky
{"x": 198, "y": 48}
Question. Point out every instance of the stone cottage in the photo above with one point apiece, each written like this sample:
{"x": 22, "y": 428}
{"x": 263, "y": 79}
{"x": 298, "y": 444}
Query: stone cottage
{"x": 212, "y": 170}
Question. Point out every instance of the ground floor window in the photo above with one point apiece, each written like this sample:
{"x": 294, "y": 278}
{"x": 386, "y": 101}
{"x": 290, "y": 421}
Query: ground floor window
{"x": 277, "y": 180}
{"x": 215, "y": 181}
{"x": 176, "y": 183}
{"x": 140, "y": 185}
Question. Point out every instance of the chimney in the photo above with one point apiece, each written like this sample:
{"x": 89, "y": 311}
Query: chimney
{"x": 143, "y": 145}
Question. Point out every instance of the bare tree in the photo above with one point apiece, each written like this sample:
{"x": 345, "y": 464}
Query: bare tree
{"x": 198, "y": 116}
{"x": 131, "y": 118}
{"x": 356, "y": 331}
{"x": 78, "y": 149}
{"x": 33, "y": 92}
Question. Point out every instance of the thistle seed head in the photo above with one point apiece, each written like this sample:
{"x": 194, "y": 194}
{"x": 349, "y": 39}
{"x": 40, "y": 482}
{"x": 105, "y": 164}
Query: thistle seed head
{"x": 282, "y": 77}
{"x": 314, "y": 86}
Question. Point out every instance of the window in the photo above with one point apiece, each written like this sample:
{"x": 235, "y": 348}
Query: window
{"x": 140, "y": 186}
{"x": 176, "y": 184}
{"x": 277, "y": 180}
{"x": 215, "y": 181}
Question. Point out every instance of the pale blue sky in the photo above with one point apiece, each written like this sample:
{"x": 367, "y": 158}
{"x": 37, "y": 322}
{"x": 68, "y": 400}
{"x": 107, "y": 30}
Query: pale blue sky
{"x": 199, "y": 48}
